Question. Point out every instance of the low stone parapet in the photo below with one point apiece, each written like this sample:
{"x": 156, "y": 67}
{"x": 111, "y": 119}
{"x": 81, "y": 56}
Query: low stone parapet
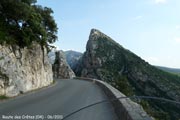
{"x": 125, "y": 108}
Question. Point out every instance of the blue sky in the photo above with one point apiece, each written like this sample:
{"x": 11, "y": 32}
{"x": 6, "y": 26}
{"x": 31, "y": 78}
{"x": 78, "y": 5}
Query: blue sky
{"x": 149, "y": 28}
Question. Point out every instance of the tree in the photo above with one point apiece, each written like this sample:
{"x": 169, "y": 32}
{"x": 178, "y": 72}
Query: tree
{"x": 22, "y": 22}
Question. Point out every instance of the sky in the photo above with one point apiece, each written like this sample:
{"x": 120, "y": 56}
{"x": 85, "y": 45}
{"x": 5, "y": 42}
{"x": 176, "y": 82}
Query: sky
{"x": 148, "y": 28}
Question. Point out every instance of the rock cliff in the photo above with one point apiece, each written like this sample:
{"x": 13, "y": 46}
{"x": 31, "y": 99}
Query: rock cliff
{"x": 23, "y": 69}
{"x": 61, "y": 69}
{"x": 106, "y": 60}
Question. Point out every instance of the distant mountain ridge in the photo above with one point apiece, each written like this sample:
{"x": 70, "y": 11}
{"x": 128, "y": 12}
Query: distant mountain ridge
{"x": 107, "y": 60}
{"x": 72, "y": 58}
{"x": 170, "y": 70}
{"x": 51, "y": 56}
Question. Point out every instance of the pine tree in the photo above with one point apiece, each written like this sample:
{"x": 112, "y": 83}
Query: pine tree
{"x": 22, "y": 22}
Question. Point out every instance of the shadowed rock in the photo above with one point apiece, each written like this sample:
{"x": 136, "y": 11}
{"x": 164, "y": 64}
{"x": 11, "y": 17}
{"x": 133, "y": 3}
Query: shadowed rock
{"x": 106, "y": 60}
{"x": 60, "y": 67}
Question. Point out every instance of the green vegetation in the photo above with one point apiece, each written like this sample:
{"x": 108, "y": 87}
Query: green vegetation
{"x": 123, "y": 85}
{"x": 158, "y": 114}
{"x": 2, "y": 97}
{"x": 1, "y": 58}
{"x": 170, "y": 70}
{"x": 22, "y": 22}
{"x": 53, "y": 81}
{"x": 178, "y": 74}
{"x": 4, "y": 76}
{"x": 173, "y": 71}
{"x": 133, "y": 76}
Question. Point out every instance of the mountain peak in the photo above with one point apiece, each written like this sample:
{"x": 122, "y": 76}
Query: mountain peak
{"x": 97, "y": 37}
{"x": 107, "y": 60}
{"x": 95, "y": 33}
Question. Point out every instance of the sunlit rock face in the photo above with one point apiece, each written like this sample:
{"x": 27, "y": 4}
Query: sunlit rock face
{"x": 23, "y": 69}
{"x": 107, "y": 60}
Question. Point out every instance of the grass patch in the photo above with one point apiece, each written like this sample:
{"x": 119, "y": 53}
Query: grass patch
{"x": 1, "y": 58}
{"x": 53, "y": 82}
{"x": 3, "y": 97}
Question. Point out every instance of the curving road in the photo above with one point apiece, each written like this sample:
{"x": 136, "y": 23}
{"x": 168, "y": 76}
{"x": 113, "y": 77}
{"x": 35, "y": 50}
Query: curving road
{"x": 63, "y": 98}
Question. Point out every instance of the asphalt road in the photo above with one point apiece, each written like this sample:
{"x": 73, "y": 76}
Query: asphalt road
{"x": 63, "y": 98}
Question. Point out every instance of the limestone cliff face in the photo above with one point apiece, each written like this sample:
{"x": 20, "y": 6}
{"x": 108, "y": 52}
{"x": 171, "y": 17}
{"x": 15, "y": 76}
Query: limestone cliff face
{"x": 106, "y": 60}
{"x": 101, "y": 57}
{"x": 61, "y": 69}
{"x": 23, "y": 69}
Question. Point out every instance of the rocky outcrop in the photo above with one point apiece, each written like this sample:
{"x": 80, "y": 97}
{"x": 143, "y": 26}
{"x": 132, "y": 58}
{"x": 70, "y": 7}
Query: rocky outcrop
{"x": 72, "y": 57}
{"x": 61, "y": 68}
{"x": 23, "y": 69}
{"x": 106, "y": 60}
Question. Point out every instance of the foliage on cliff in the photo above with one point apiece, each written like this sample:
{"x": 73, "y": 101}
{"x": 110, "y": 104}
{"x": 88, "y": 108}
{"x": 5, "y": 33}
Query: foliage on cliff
{"x": 107, "y": 60}
{"x": 23, "y": 22}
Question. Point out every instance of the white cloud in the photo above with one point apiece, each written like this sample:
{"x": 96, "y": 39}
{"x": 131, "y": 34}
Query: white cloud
{"x": 177, "y": 39}
{"x": 138, "y": 17}
{"x": 160, "y": 1}
{"x": 177, "y": 27}
{"x": 56, "y": 47}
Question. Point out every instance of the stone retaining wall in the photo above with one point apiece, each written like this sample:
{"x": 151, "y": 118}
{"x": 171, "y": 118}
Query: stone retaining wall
{"x": 124, "y": 108}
